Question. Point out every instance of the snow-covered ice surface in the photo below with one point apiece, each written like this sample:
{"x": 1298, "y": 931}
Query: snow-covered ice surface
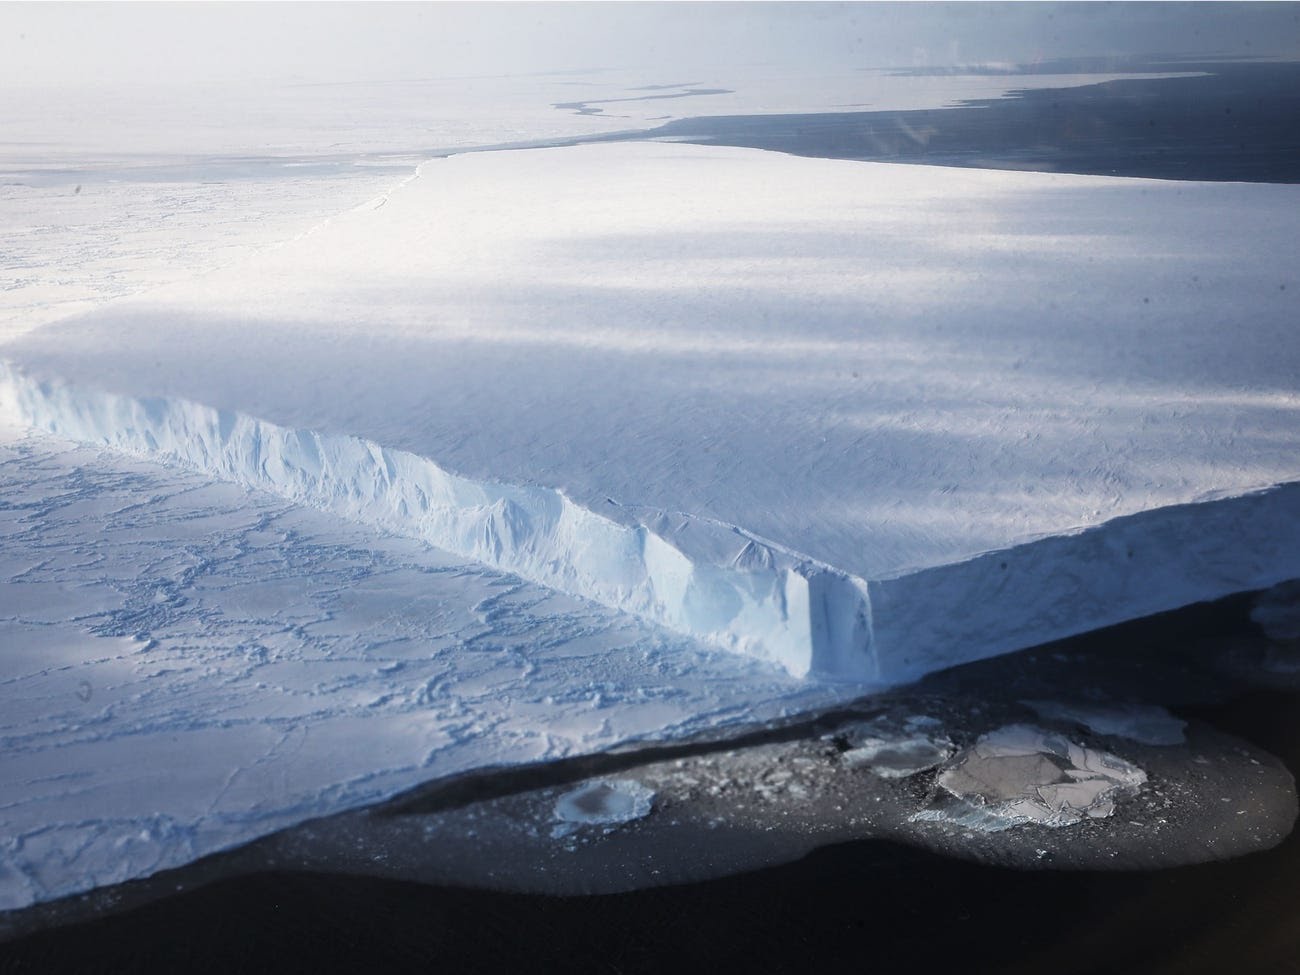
{"x": 187, "y": 665}
{"x": 864, "y": 420}
{"x": 110, "y": 189}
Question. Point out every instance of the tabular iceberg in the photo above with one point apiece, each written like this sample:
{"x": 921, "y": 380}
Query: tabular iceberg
{"x": 863, "y": 420}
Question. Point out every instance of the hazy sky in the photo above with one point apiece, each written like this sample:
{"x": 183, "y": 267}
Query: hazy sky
{"x": 68, "y": 43}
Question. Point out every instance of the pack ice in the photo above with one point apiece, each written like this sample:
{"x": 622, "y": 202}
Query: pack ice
{"x": 862, "y": 420}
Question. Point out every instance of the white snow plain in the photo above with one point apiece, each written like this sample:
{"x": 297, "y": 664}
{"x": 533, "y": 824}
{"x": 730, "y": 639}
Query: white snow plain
{"x": 863, "y": 420}
{"x": 110, "y": 189}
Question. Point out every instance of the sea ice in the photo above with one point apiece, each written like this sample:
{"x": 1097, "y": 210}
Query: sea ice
{"x": 606, "y": 802}
{"x": 188, "y": 666}
{"x": 891, "y": 752}
{"x": 1147, "y": 723}
{"x": 1022, "y": 774}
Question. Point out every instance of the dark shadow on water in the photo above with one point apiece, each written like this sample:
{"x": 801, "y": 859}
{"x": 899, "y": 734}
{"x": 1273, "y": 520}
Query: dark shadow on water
{"x": 1240, "y": 121}
{"x": 843, "y": 907}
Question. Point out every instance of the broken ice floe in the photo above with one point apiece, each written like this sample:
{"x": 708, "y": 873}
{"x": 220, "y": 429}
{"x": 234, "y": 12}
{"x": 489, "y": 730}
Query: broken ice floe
{"x": 1146, "y": 723}
{"x": 1023, "y": 774}
{"x": 609, "y": 802}
{"x": 893, "y": 753}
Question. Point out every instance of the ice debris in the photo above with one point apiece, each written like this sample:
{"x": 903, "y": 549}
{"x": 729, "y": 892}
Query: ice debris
{"x": 1024, "y": 774}
{"x": 1149, "y": 724}
{"x": 606, "y": 802}
{"x": 891, "y": 753}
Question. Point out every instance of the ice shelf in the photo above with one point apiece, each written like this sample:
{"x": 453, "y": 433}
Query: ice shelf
{"x": 863, "y": 420}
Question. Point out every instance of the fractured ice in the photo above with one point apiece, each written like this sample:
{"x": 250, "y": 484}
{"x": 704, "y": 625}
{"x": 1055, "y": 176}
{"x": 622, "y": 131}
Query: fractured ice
{"x": 1023, "y": 774}
{"x": 188, "y": 665}
{"x": 891, "y": 752}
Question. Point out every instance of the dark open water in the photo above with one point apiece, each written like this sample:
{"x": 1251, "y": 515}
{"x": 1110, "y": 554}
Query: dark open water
{"x": 845, "y": 908}
{"x": 1242, "y": 122}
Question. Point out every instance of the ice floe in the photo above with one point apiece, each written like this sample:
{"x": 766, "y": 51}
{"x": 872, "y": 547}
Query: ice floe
{"x": 608, "y": 802}
{"x": 1023, "y": 774}
{"x": 892, "y": 752}
{"x": 1147, "y": 723}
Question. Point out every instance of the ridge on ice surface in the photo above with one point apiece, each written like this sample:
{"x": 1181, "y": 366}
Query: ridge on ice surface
{"x": 949, "y": 412}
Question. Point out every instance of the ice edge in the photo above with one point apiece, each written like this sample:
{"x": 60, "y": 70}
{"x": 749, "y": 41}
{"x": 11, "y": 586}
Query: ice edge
{"x": 713, "y": 581}
{"x": 765, "y": 602}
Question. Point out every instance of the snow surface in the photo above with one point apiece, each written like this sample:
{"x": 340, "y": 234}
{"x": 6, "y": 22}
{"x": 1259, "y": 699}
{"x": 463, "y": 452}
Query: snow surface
{"x": 797, "y": 381}
{"x": 860, "y": 419}
{"x": 107, "y": 190}
{"x": 77, "y": 237}
{"x": 186, "y": 665}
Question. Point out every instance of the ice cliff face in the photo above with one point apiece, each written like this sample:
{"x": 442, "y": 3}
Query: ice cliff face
{"x": 711, "y": 581}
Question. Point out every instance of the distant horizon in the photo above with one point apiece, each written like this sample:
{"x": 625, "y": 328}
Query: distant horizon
{"x": 154, "y": 44}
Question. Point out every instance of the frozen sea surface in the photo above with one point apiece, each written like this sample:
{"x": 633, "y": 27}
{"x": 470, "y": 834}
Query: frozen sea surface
{"x": 109, "y": 190}
{"x": 187, "y": 665}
